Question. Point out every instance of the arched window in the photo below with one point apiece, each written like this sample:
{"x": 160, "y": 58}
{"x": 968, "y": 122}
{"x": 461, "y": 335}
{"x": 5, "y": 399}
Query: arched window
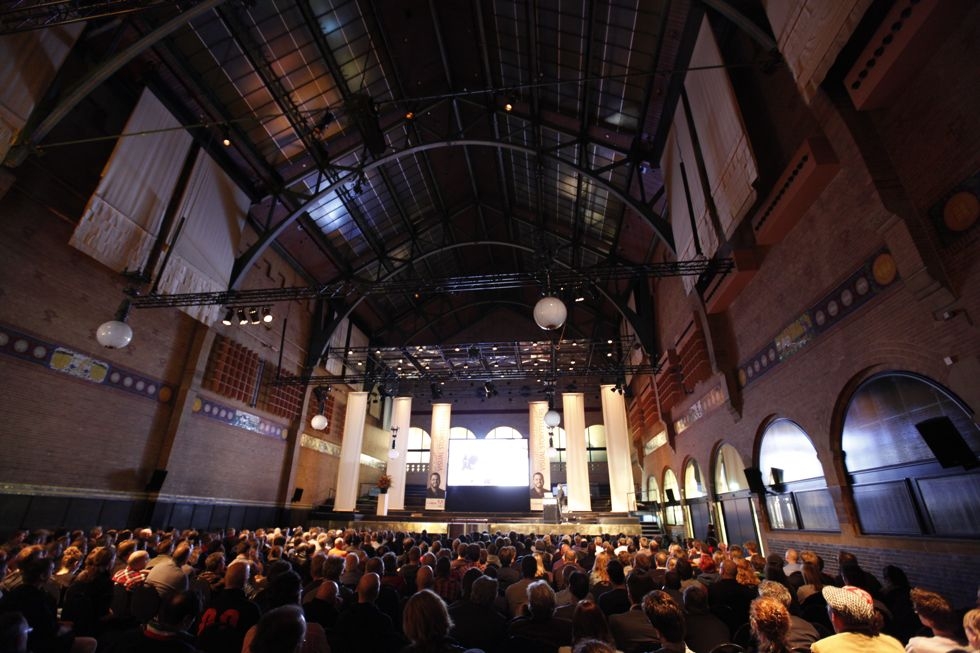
{"x": 673, "y": 510}
{"x": 653, "y": 490}
{"x": 461, "y": 433}
{"x": 417, "y": 449}
{"x": 797, "y": 496}
{"x": 504, "y": 433}
{"x": 693, "y": 486}
{"x": 595, "y": 441}
{"x": 737, "y": 523}
{"x": 729, "y": 471}
{"x": 696, "y": 499}
{"x": 909, "y": 448}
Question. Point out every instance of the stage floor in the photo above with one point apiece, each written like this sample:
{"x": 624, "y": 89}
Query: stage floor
{"x": 456, "y": 525}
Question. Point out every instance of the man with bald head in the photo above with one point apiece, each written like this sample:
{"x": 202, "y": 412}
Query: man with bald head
{"x": 424, "y": 578}
{"x": 230, "y": 614}
{"x": 325, "y": 606}
{"x": 362, "y": 627}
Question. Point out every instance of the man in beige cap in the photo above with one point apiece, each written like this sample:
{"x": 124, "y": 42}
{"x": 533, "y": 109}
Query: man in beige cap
{"x": 857, "y": 626}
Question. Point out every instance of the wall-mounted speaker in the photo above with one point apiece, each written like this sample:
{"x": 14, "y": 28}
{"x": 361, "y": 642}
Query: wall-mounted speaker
{"x": 946, "y": 443}
{"x": 777, "y": 479}
{"x": 156, "y": 480}
{"x": 753, "y": 476}
{"x": 297, "y": 495}
{"x": 671, "y": 500}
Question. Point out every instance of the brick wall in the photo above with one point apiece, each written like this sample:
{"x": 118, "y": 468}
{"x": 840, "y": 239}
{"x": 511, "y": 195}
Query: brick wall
{"x": 934, "y": 144}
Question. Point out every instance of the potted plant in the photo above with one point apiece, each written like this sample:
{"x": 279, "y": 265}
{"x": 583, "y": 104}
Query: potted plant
{"x": 384, "y": 482}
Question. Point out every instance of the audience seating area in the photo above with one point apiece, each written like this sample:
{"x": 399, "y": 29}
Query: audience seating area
{"x": 319, "y": 590}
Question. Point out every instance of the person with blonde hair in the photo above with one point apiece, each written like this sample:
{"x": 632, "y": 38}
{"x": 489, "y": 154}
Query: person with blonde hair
{"x": 770, "y": 623}
{"x": 426, "y": 623}
{"x": 971, "y": 624}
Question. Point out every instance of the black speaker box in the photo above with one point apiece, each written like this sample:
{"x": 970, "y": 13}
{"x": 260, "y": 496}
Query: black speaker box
{"x": 946, "y": 443}
{"x": 156, "y": 480}
{"x": 297, "y": 495}
{"x": 671, "y": 500}
{"x": 753, "y": 475}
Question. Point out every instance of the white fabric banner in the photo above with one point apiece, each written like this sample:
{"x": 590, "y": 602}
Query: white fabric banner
{"x": 621, "y": 488}
{"x": 349, "y": 472}
{"x": 123, "y": 216}
{"x": 401, "y": 417}
{"x": 435, "y": 491}
{"x": 577, "y": 462}
{"x": 539, "y": 480}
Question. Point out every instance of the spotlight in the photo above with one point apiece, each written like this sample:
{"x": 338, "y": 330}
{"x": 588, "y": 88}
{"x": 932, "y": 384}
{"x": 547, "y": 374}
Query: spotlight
{"x": 225, "y": 136}
{"x": 409, "y": 116}
{"x": 253, "y": 315}
{"x": 267, "y": 315}
{"x": 508, "y": 105}
{"x": 229, "y": 314}
{"x": 242, "y": 318}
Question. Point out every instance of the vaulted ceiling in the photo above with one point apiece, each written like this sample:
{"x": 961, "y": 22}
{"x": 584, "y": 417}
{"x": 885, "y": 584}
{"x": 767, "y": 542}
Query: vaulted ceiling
{"x": 444, "y": 161}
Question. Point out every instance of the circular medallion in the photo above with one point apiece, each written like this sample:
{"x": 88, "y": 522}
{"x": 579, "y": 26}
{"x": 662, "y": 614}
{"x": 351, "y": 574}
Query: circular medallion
{"x": 40, "y": 352}
{"x": 4, "y": 339}
{"x": 197, "y": 405}
{"x": 961, "y": 211}
{"x": 832, "y": 308}
{"x": 847, "y": 297}
{"x": 21, "y": 346}
{"x": 165, "y": 394}
{"x": 820, "y": 318}
{"x": 862, "y": 286}
{"x": 884, "y": 269}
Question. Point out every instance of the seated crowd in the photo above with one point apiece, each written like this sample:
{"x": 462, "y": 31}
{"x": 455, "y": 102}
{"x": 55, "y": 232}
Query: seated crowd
{"x": 322, "y": 591}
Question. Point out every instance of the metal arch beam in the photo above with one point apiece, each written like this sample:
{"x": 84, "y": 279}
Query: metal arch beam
{"x": 245, "y": 260}
{"x": 106, "y": 70}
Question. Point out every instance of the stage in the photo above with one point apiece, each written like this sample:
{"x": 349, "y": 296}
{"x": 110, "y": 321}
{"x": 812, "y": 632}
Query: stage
{"x": 456, "y": 524}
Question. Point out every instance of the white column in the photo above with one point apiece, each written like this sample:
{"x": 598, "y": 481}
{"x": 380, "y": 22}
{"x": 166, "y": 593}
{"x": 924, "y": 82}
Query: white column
{"x": 349, "y": 472}
{"x": 576, "y": 455}
{"x": 621, "y": 486}
{"x": 401, "y": 416}
{"x": 383, "y": 500}
{"x": 439, "y": 452}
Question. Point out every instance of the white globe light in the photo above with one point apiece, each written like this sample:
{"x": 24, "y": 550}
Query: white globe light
{"x": 552, "y": 418}
{"x": 114, "y": 334}
{"x": 550, "y": 313}
{"x": 319, "y": 422}
{"x": 393, "y": 453}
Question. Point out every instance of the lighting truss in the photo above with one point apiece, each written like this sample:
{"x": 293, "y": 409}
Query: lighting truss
{"x": 38, "y": 14}
{"x": 595, "y": 276}
{"x": 428, "y": 366}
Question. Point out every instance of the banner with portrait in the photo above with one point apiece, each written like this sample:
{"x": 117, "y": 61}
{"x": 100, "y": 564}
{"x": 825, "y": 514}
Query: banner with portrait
{"x": 435, "y": 487}
{"x": 539, "y": 472}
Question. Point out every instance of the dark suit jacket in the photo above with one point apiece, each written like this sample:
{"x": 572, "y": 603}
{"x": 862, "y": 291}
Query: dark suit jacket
{"x": 438, "y": 493}
{"x": 705, "y": 632}
{"x": 632, "y": 631}
{"x": 557, "y": 632}
{"x": 615, "y": 601}
{"x": 476, "y": 626}
{"x": 730, "y": 602}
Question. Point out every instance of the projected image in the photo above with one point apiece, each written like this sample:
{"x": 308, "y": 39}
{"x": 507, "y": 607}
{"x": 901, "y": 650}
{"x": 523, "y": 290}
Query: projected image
{"x": 487, "y": 463}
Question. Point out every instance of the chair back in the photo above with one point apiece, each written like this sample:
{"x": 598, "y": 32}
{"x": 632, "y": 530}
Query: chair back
{"x": 144, "y": 603}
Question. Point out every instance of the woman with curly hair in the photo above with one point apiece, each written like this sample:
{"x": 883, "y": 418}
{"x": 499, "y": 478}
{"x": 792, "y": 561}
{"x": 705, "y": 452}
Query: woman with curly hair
{"x": 769, "y": 621}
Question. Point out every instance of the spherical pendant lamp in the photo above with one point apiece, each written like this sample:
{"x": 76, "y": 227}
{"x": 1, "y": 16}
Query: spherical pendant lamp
{"x": 550, "y": 313}
{"x": 319, "y": 422}
{"x": 114, "y": 334}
